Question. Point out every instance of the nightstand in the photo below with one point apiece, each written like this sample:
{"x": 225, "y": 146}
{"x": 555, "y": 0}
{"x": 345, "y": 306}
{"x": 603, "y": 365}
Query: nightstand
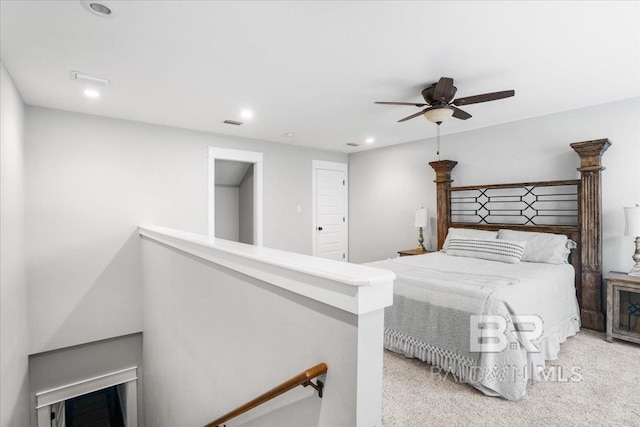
{"x": 622, "y": 291}
{"x": 409, "y": 252}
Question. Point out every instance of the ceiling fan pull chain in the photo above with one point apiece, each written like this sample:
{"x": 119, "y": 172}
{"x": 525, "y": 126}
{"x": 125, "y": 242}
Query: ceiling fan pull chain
{"x": 438, "y": 153}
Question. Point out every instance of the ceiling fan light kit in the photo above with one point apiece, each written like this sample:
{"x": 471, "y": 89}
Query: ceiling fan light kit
{"x": 438, "y": 115}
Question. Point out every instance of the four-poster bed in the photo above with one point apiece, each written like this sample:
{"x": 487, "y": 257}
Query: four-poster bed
{"x": 486, "y": 231}
{"x": 586, "y": 231}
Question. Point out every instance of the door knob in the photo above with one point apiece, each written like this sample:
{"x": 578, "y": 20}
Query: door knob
{"x": 319, "y": 228}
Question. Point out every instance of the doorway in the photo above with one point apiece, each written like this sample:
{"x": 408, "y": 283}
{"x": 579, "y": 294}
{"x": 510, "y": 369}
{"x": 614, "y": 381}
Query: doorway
{"x": 109, "y": 400}
{"x": 330, "y": 206}
{"x": 235, "y": 195}
{"x": 104, "y": 407}
{"x": 234, "y": 201}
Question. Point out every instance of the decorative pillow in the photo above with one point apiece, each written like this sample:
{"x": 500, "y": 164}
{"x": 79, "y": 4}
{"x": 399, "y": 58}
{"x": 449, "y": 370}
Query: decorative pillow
{"x": 469, "y": 233}
{"x": 491, "y": 249}
{"x": 541, "y": 247}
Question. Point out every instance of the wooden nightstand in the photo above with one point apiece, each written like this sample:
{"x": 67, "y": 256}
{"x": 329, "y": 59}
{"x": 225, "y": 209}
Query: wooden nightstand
{"x": 409, "y": 252}
{"x": 616, "y": 284}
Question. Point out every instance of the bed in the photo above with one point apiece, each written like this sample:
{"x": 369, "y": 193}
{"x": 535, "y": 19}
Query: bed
{"x": 442, "y": 299}
{"x": 435, "y": 296}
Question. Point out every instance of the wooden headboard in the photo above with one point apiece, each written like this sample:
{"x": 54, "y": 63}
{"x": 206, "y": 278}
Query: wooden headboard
{"x": 571, "y": 207}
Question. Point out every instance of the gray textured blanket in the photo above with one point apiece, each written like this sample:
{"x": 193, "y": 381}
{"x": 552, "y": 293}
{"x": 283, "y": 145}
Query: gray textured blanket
{"x": 435, "y": 295}
{"x": 431, "y": 310}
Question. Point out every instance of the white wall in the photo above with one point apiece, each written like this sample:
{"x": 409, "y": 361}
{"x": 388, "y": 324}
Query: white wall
{"x": 215, "y": 338}
{"x": 227, "y": 216}
{"x": 92, "y": 180}
{"x": 14, "y": 380}
{"x": 392, "y": 182}
{"x": 245, "y": 207}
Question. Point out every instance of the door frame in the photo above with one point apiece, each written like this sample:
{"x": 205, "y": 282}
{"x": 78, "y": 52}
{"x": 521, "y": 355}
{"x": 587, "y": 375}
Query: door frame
{"x": 129, "y": 377}
{"x": 343, "y": 167}
{"x": 217, "y": 153}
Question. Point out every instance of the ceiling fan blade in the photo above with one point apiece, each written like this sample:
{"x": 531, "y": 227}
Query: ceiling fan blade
{"x": 412, "y": 116}
{"x": 401, "y": 103}
{"x": 484, "y": 97}
{"x": 443, "y": 89}
{"x": 460, "y": 114}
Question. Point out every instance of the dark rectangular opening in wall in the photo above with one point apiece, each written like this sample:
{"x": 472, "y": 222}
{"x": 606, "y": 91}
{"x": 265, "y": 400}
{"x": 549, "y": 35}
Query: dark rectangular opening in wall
{"x": 101, "y": 408}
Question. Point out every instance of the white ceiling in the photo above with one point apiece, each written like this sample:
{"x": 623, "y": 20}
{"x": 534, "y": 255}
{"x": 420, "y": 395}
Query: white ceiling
{"x": 315, "y": 68}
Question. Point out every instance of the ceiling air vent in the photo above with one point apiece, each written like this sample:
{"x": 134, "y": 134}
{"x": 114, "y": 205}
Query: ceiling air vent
{"x": 232, "y": 122}
{"x": 78, "y": 75}
{"x": 352, "y": 144}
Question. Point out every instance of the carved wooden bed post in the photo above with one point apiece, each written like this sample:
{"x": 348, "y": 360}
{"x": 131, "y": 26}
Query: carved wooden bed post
{"x": 443, "y": 182}
{"x": 590, "y": 297}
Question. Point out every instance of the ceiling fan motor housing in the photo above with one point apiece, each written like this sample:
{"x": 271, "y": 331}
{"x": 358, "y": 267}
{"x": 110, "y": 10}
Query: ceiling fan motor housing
{"x": 428, "y": 95}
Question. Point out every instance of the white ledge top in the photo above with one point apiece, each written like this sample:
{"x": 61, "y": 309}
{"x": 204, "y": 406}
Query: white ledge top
{"x": 354, "y": 288}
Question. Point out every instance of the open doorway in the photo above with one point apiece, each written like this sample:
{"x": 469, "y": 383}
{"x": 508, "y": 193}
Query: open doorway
{"x": 106, "y": 401}
{"x": 235, "y": 195}
{"x": 106, "y": 407}
{"x": 234, "y": 201}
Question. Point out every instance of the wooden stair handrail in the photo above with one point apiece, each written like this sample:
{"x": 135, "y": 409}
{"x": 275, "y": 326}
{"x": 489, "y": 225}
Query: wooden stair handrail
{"x": 303, "y": 379}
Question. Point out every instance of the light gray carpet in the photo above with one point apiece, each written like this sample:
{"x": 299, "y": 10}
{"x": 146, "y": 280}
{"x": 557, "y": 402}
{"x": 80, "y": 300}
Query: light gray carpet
{"x": 608, "y": 395}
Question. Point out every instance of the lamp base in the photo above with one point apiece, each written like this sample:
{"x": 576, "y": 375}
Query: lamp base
{"x": 421, "y": 242}
{"x": 635, "y": 271}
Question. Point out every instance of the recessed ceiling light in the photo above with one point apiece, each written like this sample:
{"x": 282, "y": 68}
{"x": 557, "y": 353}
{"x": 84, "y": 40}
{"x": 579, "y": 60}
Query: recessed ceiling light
{"x": 246, "y": 114}
{"x": 90, "y": 93}
{"x": 100, "y": 8}
{"x": 96, "y": 8}
{"x": 289, "y": 134}
{"x": 369, "y": 140}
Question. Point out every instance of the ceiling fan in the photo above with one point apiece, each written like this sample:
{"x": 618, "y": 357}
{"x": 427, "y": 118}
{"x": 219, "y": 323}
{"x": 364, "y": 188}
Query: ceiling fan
{"x": 441, "y": 105}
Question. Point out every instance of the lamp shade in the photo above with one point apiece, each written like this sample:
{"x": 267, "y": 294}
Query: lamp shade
{"x": 631, "y": 221}
{"x": 438, "y": 115}
{"x": 421, "y": 217}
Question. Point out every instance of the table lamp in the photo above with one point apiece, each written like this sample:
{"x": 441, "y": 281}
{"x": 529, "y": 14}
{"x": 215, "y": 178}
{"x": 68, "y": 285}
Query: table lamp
{"x": 632, "y": 228}
{"x": 421, "y": 221}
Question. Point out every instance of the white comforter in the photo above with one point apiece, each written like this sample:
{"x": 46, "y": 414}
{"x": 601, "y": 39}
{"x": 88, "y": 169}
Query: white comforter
{"x": 435, "y": 294}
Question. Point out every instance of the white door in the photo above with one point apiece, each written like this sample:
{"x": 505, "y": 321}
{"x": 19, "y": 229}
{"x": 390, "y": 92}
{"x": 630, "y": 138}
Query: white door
{"x": 330, "y": 210}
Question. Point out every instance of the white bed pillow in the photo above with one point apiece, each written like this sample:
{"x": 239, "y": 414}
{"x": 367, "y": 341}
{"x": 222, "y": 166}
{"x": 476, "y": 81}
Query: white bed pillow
{"x": 491, "y": 249}
{"x": 470, "y": 233}
{"x": 541, "y": 247}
